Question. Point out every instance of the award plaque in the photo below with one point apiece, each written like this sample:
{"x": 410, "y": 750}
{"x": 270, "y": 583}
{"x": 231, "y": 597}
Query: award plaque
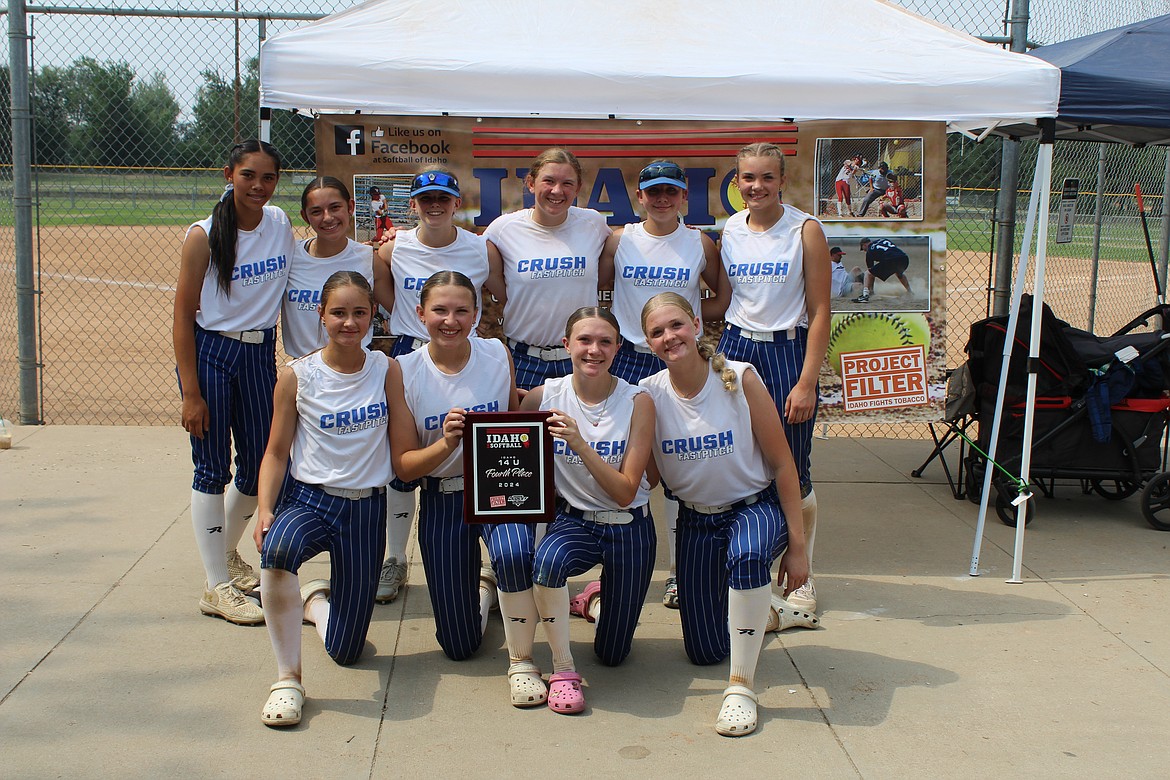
{"x": 507, "y": 468}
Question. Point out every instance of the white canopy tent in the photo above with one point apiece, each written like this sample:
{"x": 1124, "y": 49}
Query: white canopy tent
{"x": 684, "y": 60}
{"x": 645, "y": 59}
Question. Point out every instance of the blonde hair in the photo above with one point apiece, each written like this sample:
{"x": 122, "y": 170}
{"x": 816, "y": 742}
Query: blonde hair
{"x": 555, "y": 155}
{"x": 717, "y": 360}
{"x": 762, "y": 149}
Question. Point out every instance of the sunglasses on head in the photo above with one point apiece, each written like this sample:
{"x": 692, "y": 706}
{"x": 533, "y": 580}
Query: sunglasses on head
{"x": 663, "y": 170}
{"x": 434, "y": 179}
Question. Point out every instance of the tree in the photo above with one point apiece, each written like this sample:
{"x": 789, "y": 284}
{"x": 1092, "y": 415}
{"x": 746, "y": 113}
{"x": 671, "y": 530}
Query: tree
{"x": 155, "y": 114}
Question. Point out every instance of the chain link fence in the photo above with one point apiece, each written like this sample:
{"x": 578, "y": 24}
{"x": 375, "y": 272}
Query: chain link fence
{"x": 133, "y": 111}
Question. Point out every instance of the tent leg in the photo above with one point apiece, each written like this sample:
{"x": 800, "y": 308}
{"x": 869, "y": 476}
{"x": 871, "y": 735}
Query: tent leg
{"x": 1013, "y": 320}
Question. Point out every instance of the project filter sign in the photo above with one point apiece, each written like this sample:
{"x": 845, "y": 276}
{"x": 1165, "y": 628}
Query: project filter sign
{"x": 884, "y": 378}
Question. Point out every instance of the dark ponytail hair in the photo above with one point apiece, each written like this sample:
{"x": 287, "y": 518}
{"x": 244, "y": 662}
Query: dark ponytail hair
{"x": 224, "y": 226}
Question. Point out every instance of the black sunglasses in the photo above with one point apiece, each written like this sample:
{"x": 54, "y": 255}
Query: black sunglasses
{"x": 667, "y": 170}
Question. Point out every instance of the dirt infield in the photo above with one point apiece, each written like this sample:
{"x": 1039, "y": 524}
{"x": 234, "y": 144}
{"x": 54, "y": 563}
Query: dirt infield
{"x": 108, "y": 293}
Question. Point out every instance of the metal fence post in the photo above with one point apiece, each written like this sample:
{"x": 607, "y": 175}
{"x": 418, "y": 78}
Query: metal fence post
{"x": 22, "y": 208}
{"x": 1009, "y": 185}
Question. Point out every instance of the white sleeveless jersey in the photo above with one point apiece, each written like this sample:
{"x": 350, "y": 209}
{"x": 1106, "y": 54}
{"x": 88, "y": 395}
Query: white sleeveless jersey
{"x": 412, "y": 262}
{"x": 609, "y": 440}
{"x": 342, "y": 439}
{"x": 262, "y": 260}
{"x": 484, "y": 385}
{"x": 300, "y": 323}
{"x": 646, "y": 265}
{"x": 550, "y": 272}
{"x": 704, "y": 446}
{"x": 766, "y": 271}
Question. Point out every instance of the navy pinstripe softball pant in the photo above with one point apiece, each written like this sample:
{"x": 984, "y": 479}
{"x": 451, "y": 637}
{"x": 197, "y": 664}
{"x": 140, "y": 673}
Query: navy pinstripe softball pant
{"x": 310, "y": 521}
{"x": 731, "y": 549}
{"x": 574, "y": 545}
{"x": 236, "y": 380}
{"x": 451, "y": 560}
{"x": 779, "y": 364}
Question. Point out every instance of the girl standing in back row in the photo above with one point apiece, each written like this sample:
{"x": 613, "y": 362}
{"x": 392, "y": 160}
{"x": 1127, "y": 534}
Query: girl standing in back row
{"x": 544, "y": 263}
{"x": 658, "y": 254}
{"x": 776, "y": 264}
{"x": 231, "y": 282}
{"x": 407, "y": 260}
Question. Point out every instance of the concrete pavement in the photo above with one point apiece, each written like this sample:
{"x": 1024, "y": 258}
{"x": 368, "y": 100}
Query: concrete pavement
{"x": 107, "y": 668}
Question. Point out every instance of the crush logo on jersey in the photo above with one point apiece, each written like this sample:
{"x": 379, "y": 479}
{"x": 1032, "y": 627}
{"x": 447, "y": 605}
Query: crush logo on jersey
{"x": 549, "y": 267}
{"x": 414, "y": 282}
{"x": 359, "y": 419}
{"x": 711, "y": 445}
{"x": 610, "y": 451}
{"x": 435, "y": 421}
{"x": 304, "y": 300}
{"x": 261, "y": 271}
{"x": 657, "y": 275}
{"x": 758, "y": 273}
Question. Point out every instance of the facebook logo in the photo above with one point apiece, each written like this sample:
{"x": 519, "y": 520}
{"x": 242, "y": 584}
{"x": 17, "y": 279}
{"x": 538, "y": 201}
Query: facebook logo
{"x": 349, "y": 140}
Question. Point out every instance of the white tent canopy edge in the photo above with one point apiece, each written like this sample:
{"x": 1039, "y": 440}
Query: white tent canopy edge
{"x": 749, "y": 60}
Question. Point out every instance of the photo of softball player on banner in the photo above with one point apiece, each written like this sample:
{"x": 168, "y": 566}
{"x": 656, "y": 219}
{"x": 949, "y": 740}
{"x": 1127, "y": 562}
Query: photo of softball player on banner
{"x": 869, "y": 178}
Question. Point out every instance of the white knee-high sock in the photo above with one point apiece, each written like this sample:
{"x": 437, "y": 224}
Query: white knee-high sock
{"x": 520, "y": 619}
{"x": 399, "y": 517}
{"x": 487, "y": 600}
{"x": 553, "y": 605}
{"x": 280, "y": 591}
{"x": 808, "y": 511}
{"x": 207, "y": 519}
{"x": 238, "y": 511}
{"x": 317, "y": 613}
{"x": 747, "y": 616}
{"x": 670, "y": 514}
{"x": 594, "y": 608}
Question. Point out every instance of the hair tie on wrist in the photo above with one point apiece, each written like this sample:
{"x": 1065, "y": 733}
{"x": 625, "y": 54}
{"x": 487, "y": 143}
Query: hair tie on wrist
{"x": 227, "y": 192}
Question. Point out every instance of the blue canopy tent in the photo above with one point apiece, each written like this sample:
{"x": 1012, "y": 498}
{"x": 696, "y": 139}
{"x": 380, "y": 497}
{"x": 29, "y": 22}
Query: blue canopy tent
{"x": 1113, "y": 89}
{"x": 1113, "y": 86}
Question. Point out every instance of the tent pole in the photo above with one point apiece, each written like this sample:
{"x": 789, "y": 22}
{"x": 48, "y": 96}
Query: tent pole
{"x": 1009, "y": 181}
{"x": 1044, "y": 163}
{"x": 1095, "y": 268}
{"x": 1165, "y": 221}
{"x": 1001, "y": 387}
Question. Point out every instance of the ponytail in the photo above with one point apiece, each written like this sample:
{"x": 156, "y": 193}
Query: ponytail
{"x": 224, "y": 231}
{"x": 719, "y": 365}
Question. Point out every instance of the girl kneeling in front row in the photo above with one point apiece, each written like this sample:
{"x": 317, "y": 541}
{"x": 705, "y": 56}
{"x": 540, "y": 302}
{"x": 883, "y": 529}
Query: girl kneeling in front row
{"x": 719, "y": 447}
{"x": 602, "y": 428}
{"x": 329, "y": 431}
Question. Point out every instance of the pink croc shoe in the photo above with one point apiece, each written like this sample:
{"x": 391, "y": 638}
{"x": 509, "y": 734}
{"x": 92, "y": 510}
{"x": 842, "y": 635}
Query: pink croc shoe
{"x": 579, "y": 605}
{"x": 564, "y": 693}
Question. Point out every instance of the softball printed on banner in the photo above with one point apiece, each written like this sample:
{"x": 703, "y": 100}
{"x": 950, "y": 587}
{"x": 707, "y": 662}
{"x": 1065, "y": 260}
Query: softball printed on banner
{"x": 856, "y": 332}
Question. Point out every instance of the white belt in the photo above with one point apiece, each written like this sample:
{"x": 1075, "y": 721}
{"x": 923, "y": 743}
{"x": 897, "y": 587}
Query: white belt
{"x": 444, "y": 485}
{"x": 709, "y": 509}
{"x": 353, "y": 494}
{"x": 547, "y": 354}
{"x": 607, "y": 516}
{"x": 766, "y": 335}
{"x": 645, "y": 350}
{"x": 246, "y": 336}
